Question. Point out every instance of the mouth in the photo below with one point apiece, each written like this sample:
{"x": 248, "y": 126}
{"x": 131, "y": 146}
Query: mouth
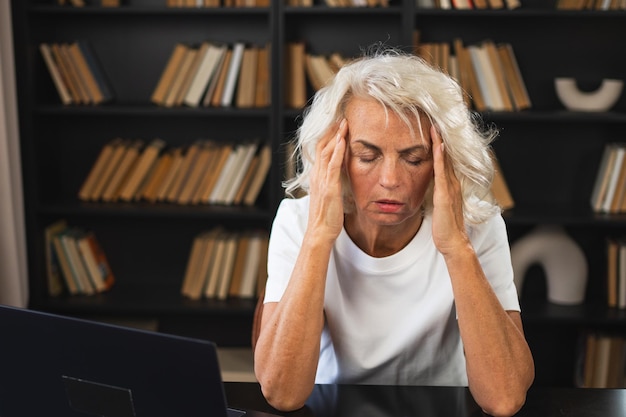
{"x": 389, "y": 206}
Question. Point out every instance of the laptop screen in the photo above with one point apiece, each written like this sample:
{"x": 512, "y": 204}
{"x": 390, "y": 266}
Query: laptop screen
{"x": 61, "y": 366}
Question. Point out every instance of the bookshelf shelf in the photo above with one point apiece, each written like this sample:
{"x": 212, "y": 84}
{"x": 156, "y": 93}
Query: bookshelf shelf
{"x": 549, "y": 156}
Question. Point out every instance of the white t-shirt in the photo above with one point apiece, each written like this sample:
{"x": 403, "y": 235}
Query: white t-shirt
{"x": 389, "y": 320}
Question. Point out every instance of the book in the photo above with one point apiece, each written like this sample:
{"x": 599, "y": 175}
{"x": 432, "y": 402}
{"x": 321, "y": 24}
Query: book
{"x": 169, "y": 73}
{"x": 208, "y": 184}
{"x": 500, "y": 188}
{"x": 156, "y": 177}
{"x": 165, "y": 186}
{"x": 193, "y": 279}
{"x": 77, "y": 268}
{"x": 102, "y": 262}
{"x": 106, "y": 89}
{"x": 235, "y": 179}
{"x": 514, "y": 77}
{"x": 185, "y": 168}
{"x": 232, "y": 75}
{"x": 64, "y": 72}
{"x": 614, "y": 175}
{"x": 499, "y": 75}
{"x": 229, "y": 171}
{"x": 246, "y": 83}
{"x": 217, "y": 257}
{"x": 254, "y": 188}
{"x": 53, "y": 268}
{"x": 140, "y": 169}
{"x": 218, "y": 88}
{"x": 239, "y": 264}
{"x": 66, "y": 272}
{"x": 173, "y": 97}
{"x": 217, "y": 78}
{"x": 295, "y": 75}
{"x": 619, "y": 194}
{"x": 131, "y": 153}
{"x": 97, "y": 169}
{"x": 251, "y": 269}
{"x": 90, "y": 263}
{"x": 485, "y": 77}
{"x": 263, "y": 80}
{"x": 119, "y": 149}
{"x": 228, "y": 263}
{"x": 196, "y": 172}
{"x": 612, "y": 249}
{"x": 72, "y": 66}
{"x": 55, "y": 74}
{"x": 210, "y": 58}
{"x": 86, "y": 75}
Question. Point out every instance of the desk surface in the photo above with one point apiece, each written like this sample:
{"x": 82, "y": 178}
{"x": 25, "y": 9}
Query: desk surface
{"x": 405, "y": 401}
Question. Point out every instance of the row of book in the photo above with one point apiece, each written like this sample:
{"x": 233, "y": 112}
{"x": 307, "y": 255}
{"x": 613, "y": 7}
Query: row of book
{"x": 601, "y": 361}
{"x": 83, "y": 3}
{"x": 591, "y": 4}
{"x": 225, "y": 264}
{"x": 215, "y": 75}
{"x": 204, "y": 172}
{"x": 468, "y": 4}
{"x": 76, "y": 73}
{"x": 217, "y": 3}
{"x": 75, "y": 261}
{"x": 488, "y": 72}
{"x": 609, "y": 189}
{"x": 340, "y": 3}
{"x": 616, "y": 273}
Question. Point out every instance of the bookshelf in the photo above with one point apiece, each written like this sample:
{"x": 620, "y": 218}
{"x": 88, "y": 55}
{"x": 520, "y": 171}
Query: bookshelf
{"x": 549, "y": 156}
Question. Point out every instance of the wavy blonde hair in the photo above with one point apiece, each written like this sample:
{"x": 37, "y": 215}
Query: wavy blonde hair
{"x": 412, "y": 89}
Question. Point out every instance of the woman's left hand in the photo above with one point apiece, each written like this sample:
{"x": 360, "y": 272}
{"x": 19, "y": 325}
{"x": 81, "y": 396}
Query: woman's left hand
{"x": 448, "y": 222}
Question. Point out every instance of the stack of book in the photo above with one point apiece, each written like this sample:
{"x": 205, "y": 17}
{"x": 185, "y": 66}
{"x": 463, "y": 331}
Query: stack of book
{"x": 204, "y": 172}
{"x": 225, "y": 264}
{"x": 468, "y": 4}
{"x": 591, "y": 4}
{"x": 601, "y": 361}
{"x": 217, "y": 3}
{"x": 609, "y": 189}
{"x": 75, "y": 261}
{"x": 616, "y": 273}
{"x": 486, "y": 71}
{"x": 76, "y": 73}
{"x": 215, "y": 74}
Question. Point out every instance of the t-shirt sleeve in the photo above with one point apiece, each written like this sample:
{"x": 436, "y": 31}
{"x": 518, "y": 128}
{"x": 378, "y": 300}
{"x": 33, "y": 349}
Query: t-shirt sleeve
{"x": 284, "y": 245}
{"x": 491, "y": 244}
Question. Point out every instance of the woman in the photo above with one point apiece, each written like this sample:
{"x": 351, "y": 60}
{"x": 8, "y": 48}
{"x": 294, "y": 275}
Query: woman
{"x": 395, "y": 267}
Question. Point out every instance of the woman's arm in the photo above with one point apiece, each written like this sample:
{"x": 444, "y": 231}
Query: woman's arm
{"x": 288, "y": 347}
{"x": 500, "y": 366}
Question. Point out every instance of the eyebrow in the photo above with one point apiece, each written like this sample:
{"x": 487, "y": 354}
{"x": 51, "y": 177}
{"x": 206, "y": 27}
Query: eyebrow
{"x": 406, "y": 151}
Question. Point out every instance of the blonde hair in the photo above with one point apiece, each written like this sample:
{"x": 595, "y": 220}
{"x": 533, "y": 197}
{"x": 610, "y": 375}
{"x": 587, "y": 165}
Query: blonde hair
{"x": 409, "y": 87}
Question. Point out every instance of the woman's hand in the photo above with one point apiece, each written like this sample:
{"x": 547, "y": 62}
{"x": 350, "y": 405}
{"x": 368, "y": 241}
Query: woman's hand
{"x": 448, "y": 222}
{"x": 326, "y": 205}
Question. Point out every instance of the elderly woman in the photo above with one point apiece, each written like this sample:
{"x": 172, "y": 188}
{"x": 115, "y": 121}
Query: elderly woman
{"x": 395, "y": 267}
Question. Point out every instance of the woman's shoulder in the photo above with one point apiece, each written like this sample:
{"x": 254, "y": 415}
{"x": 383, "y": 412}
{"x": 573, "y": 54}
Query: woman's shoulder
{"x": 293, "y": 208}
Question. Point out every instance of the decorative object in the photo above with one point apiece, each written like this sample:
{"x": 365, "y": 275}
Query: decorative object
{"x": 602, "y": 99}
{"x": 562, "y": 260}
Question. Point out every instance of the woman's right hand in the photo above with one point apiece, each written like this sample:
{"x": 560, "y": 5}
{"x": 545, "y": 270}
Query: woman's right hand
{"x": 326, "y": 201}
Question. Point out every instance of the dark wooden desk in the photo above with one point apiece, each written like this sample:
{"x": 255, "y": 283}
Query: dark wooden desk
{"x": 389, "y": 401}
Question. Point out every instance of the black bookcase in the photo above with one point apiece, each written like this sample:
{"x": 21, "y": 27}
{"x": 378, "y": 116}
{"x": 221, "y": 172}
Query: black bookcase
{"x": 549, "y": 156}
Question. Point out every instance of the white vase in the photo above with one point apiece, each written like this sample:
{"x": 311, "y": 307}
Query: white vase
{"x": 562, "y": 260}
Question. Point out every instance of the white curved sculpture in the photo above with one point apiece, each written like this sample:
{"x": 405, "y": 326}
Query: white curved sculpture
{"x": 562, "y": 260}
{"x": 602, "y": 99}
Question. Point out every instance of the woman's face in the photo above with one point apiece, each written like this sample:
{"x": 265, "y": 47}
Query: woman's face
{"x": 389, "y": 170}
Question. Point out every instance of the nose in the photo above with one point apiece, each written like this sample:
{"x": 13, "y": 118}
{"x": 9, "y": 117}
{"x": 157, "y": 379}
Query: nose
{"x": 388, "y": 176}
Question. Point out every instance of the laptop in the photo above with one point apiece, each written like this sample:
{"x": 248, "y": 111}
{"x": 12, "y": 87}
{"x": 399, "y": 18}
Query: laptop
{"x": 54, "y": 365}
